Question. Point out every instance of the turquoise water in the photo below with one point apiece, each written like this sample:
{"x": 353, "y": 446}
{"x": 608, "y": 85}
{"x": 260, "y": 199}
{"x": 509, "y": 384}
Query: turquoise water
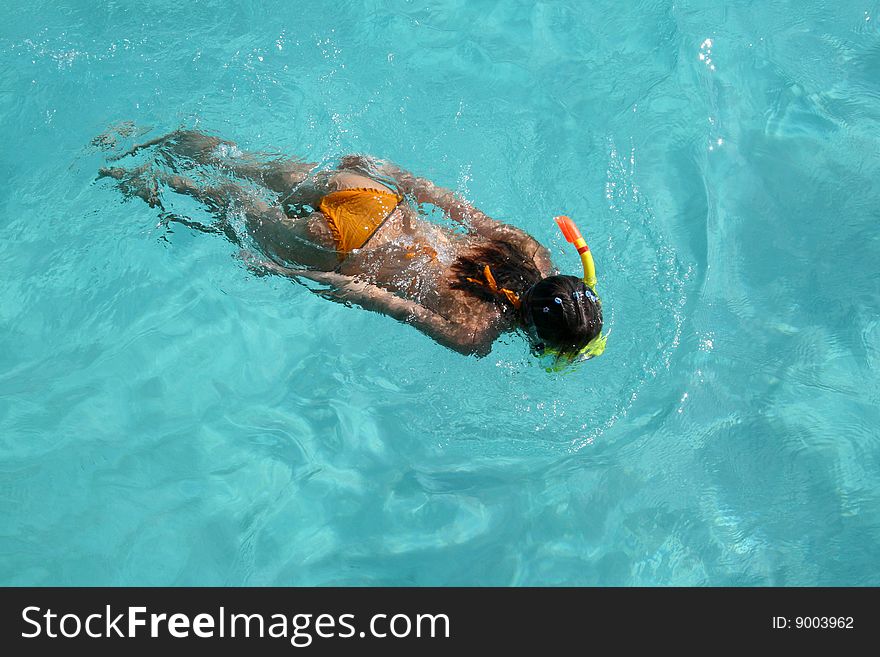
{"x": 168, "y": 418}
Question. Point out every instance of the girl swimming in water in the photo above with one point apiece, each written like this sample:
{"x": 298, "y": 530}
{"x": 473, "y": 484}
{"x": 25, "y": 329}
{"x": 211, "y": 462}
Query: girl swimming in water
{"x": 357, "y": 231}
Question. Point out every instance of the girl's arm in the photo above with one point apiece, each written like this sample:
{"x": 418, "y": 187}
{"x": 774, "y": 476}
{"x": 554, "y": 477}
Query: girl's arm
{"x": 461, "y": 211}
{"x": 346, "y": 289}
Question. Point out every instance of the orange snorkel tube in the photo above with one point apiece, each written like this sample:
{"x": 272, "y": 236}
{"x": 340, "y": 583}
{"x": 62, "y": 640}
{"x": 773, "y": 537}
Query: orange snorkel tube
{"x": 597, "y": 345}
{"x": 573, "y": 235}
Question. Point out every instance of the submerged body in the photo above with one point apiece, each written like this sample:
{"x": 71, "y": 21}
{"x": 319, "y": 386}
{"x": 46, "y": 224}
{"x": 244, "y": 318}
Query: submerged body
{"x": 357, "y": 230}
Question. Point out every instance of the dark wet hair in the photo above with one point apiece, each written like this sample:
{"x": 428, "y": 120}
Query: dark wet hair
{"x": 510, "y": 266}
{"x": 564, "y": 313}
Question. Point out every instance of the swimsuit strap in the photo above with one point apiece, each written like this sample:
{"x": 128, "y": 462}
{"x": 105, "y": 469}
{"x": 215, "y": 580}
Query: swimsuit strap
{"x": 511, "y": 296}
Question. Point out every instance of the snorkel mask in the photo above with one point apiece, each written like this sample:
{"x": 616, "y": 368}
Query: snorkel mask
{"x": 596, "y": 346}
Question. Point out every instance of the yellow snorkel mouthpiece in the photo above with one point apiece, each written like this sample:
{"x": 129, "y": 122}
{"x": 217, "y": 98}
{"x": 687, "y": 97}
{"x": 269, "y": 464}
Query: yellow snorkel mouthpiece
{"x": 596, "y": 346}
